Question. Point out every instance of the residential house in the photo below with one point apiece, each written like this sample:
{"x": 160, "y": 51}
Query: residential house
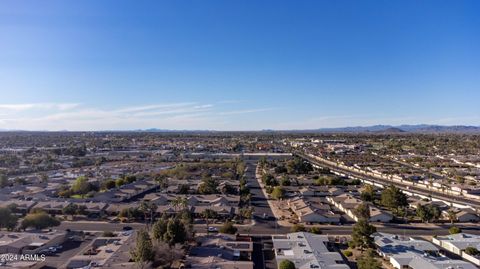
{"x": 307, "y": 251}
{"x": 312, "y": 210}
{"x": 458, "y": 243}
{"x": 408, "y": 252}
{"x": 221, "y": 252}
{"x": 348, "y": 204}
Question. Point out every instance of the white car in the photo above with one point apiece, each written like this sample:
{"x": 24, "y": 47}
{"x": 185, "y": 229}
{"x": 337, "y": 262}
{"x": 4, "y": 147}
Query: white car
{"x": 212, "y": 229}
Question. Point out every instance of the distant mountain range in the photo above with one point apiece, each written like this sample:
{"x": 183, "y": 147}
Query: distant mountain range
{"x": 381, "y": 129}
{"x": 390, "y": 129}
{"x": 419, "y": 128}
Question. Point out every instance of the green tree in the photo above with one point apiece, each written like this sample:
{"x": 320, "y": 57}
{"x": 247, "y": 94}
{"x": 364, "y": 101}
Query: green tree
{"x": 4, "y": 181}
{"x": 362, "y": 211}
{"x": 299, "y": 166}
{"x": 184, "y": 189}
{"x": 240, "y": 169}
{"x": 7, "y": 219}
{"x": 130, "y": 178}
{"x": 162, "y": 180}
{"x": 119, "y": 182}
{"x": 368, "y": 194}
{"x": 452, "y": 216}
{"x": 281, "y": 169}
{"x": 246, "y": 212}
{"x": 208, "y": 214}
{"x": 185, "y": 217}
{"x": 228, "y": 228}
{"x": 269, "y": 180}
{"x": 131, "y": 213}
{"x": 39, "y": 220}
{"x": 159, "y": 229}
{"x": 263, "y": 161}
{"x": 393, "y": 198}
{"x": 108, "y": 184}
{"x": 285, "y": 182}
{"x": 278, "y": 193}
{"x": 428, "y": 212}
{"x": 208, "y": 185}
{"x": 179, "y": 203}
{"x": 361, "y": 234}
{"x": 13, "y": 207}
{"x": 176, "y": 232}
{"x": 286, "y": 264}
{"x": 143, "y": 252}
{"x": 368, "y": 261}
{"x": 148, "y": 209}
{"x": 70, "y": 209}
{"x": 81, "y": 186}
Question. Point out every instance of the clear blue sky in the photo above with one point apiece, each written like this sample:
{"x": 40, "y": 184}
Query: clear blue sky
{"x": 237, "y": 65}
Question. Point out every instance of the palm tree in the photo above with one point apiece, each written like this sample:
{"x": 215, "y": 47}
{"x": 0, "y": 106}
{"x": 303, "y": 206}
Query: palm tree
{"x": 209, "y": 214}
{"x": 162, "y": 182}
{"x": 148, "y": 208}
{"x": 452, "y": 216}
{"x": 179, "y": 202}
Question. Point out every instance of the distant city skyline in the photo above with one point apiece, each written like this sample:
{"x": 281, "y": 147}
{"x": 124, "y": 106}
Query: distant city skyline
{"x": 247, "y": 65}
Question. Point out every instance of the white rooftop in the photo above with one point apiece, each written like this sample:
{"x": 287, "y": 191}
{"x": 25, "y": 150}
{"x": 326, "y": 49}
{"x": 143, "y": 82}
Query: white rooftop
{"x": 307, "y": 251}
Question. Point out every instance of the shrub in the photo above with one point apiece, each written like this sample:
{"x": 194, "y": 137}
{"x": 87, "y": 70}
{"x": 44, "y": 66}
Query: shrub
{"x": 315, "y": 230}
{"x": 347, "y": 253}
{"x": 298, "y": 228}
{"x": 228, "y": 228}
{"x": 286, "y": 264}
{"x": 454, "y": 230}
{"x": 108, "y": 234}
{"x": 472, "y": 251}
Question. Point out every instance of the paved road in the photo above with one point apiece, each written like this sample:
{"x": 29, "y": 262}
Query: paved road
{"x": 263, "y": 256}
{"x": 70, "y": 249}
{"x": 268, "y": 228}
{"x": 449, "y": 198}
{"x": 263, "y": 215}
{"x": 97, "y": 226}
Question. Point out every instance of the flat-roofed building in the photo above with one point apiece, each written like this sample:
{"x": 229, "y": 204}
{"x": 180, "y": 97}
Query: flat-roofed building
{"x": 28, "y": 242}
{"x": 221, "y": 251}
{"x": 105, "y": 252}
{"x": 458, "y": 243}
{"x": 408, "y": 252}
{"x": 307, "y": 251}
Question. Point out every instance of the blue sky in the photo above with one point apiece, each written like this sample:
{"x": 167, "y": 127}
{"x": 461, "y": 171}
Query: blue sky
{"x": 237, "y": 65}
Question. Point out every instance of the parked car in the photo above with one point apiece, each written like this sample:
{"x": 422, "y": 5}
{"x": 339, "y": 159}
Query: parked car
{"x": 212, "y": 229}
